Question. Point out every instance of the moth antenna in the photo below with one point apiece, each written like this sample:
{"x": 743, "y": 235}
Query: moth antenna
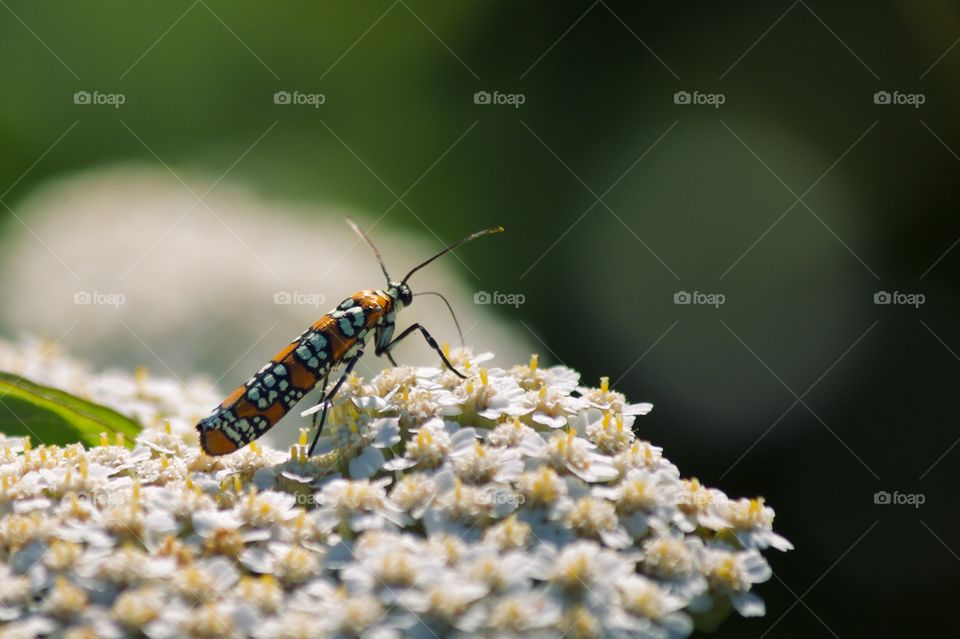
{"x": 450, "y": 308}
{"x": 363, "y": 236}
{"x": 472, "y": 236}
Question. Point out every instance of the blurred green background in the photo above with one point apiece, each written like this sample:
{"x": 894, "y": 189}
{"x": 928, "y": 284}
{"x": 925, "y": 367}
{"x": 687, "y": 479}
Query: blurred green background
{"x": 797, "y": 199}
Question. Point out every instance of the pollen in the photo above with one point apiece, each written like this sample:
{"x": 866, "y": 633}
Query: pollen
{"x": 581, "y": 623}
{"x": 66, "y": 599}
{"x": 534, "y": 362}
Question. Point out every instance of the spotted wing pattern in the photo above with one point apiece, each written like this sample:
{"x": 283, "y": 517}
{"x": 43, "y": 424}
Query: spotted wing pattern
{"x": 254, "y": 407}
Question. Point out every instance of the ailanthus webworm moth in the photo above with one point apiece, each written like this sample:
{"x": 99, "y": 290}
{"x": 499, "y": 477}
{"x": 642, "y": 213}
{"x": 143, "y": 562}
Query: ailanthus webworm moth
{"x": 338, "y": 337}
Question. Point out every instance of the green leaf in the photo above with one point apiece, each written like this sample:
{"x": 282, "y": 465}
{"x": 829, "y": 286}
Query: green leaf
{"x": 52, "y": 416}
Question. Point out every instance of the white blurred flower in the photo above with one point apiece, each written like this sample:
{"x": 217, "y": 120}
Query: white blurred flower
{"x": 153, "y": 275}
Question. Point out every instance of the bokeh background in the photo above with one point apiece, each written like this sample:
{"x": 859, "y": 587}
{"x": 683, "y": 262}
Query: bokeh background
{"x": 785, "y": 184}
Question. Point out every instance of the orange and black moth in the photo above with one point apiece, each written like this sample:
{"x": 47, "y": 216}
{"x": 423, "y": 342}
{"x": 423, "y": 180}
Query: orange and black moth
{"x": 336, "y": 339}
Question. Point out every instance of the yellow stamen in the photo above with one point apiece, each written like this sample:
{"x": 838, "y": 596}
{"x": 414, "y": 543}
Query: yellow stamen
{"x": 534, "y": 362}
{"x": 483, "y": 376}
{"x": 606, "y": 420}
{"x": 604, "y": 384}
{"x": 166, "y": 427}
{"x": 120, "y": 440}
{"x": 237, "y": 485}
{"x": 445, "y": 347}
{"x": 103, "y": 440}
{"x": 26, "y": 443}
{"x": 303, "y": 437}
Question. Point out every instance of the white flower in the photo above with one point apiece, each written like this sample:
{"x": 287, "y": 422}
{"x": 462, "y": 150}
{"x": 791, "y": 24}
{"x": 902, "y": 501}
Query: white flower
{"x": 582, "y": 572}
{"x": 522, "y": 614}
{"x": 566, "y": 451}
{"x": 731, "y": 574}
{"x": 414, "y": 493}
{"x": 649, "y": 611}
{"x": 644, "y": 499}
{"x": 675, "y": 562}
{"x": 360, "y": 504}
{"x": 593, "y": 518}
{"x": 493, "y": 394}
{"x": 431, "y": 444}
{"x": 517, "y": 435}
{"x": 478, "y": 464}
{"x": 752, "y": 522}
{"x": 267, "y": 508}
{"x": 502, "y": 505}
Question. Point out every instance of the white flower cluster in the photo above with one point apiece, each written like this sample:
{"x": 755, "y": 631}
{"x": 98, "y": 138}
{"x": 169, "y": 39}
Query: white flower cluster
{"x": 513, "y": 503}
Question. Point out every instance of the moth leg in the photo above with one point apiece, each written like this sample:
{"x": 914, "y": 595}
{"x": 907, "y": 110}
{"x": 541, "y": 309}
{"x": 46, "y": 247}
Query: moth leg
{"x": 329, "y": 397}
{"x": 432, "y": 343}
{"x": 323, "y": 389}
